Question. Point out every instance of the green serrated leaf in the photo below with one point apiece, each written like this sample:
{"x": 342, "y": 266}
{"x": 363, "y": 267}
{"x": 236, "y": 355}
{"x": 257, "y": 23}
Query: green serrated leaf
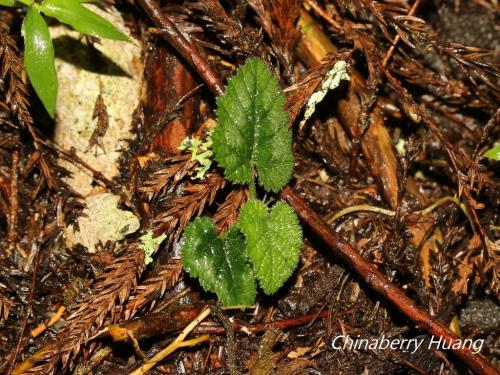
{"x": 72, "y": 13}
{"x": 273, "y": 241}
{"x": 219, "y": 263}
{"x": 253, "y": 128}
{"x": 39, "y": 59}
{"x": 493, "y": 153}
{"x": 8, "y": 3}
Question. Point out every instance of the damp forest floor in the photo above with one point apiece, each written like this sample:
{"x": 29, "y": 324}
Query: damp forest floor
{"x": 391, "y": 163}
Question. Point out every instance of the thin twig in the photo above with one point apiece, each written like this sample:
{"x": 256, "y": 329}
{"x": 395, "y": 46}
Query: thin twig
{"x": 158, "y": 357}
{"x": 13, "y": 203}
{"x": 29, "y": 308}
{"x": 43, "y": 326}
{"x": 263, "y": 327}
{"x": 313, "y": 4}
{"x": 387, "y": 212}
{"x": 173, "y": 36}
{"x": 374, "y": 278}
{"x": 74, "y": 159}
{"x": 390, "y": 51}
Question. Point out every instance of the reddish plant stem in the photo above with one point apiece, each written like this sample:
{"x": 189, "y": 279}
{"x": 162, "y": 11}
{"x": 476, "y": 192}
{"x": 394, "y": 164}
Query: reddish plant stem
{"x": 374, "y": 278}
{"x": 162, "y": 322}
{"x": 367, "y": 271}
{"x": 173, "y": 36}
{"x": 262, "y": 327}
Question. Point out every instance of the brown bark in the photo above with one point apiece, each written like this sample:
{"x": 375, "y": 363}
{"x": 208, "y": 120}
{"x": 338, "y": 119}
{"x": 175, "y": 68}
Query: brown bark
{"x": 167, "y": 82}
{"x": 172, "y": 35}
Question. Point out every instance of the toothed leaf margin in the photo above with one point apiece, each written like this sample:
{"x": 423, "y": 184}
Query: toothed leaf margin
{"x": 220, "y": 264}
{"x": 253, "y": 129}
{"x": 274, "y": 239}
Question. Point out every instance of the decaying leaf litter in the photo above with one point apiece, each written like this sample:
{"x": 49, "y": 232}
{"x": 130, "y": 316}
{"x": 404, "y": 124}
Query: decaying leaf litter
{"x": 392, "y": 159}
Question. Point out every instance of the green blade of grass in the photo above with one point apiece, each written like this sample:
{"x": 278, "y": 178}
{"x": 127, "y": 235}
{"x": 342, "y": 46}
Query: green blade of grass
{"x": 39, "y": 59}
{"x": 72, "y": 13}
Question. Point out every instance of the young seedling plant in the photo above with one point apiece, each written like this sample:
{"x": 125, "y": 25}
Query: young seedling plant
{"x": 38, "y": 47}
{"x": 253, "y": 145}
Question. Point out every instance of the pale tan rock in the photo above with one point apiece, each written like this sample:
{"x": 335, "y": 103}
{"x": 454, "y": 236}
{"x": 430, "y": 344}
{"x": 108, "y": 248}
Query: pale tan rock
{"x": 84, "y": 74}
{"x": 103, "y": 221}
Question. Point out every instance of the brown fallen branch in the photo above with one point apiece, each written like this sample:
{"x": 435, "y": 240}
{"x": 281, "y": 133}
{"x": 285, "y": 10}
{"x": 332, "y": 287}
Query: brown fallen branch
{"x": 172, "y": 35}
{"x": 152, "y": 324}
{"x": 164, "y": 322}
{"x": 177, "y": 343}
{"x": 367, "y": 271}
{"x": 375, "y": 279}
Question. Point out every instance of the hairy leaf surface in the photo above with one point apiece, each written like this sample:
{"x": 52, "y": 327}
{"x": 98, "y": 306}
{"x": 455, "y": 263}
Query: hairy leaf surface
{"x": 219, "y": 263}
{"x": 39, "y": 59}
{"x": 253, "y": 128}
{"x": 273, "y": 241}
{"x": 72, "y": 13}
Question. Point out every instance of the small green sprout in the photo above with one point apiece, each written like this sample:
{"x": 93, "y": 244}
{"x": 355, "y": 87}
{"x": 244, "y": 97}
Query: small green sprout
{"x": 251, "y": 142}
{"x": 38, "y": 47}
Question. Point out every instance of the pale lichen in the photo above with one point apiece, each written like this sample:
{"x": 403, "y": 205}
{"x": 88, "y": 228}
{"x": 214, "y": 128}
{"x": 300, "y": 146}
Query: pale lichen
{"x": 150, "y": 245}
{"x": 201, "y": 151}
{"x": 331, "y": 81}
